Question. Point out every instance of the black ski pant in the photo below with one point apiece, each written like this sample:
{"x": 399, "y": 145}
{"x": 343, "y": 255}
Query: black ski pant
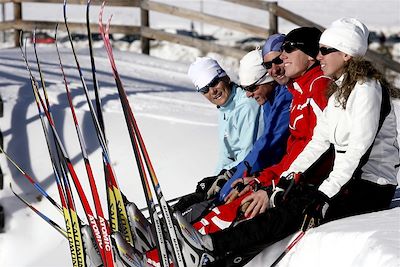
{"x": 251, "y": 236}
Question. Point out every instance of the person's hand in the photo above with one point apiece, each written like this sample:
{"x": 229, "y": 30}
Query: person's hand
{"x": 284, "y": 188}
{"x": 239, "y": 188}
{"x": 219, "y": 183}
{"x": 255, "y": 203}
{"x": 315, "y": 211}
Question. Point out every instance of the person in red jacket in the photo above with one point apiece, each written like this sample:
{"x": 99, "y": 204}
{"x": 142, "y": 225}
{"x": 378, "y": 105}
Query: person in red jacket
{"x": 308, "y": 86}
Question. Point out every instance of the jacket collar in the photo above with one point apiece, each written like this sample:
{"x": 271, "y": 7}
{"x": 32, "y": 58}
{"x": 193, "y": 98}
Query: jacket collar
{"x": 225, "y": 106}
{"x": 340, "y": 80}
{"x": 298, "y": 83}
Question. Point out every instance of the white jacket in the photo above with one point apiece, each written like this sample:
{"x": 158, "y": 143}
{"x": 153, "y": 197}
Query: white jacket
{"x": 352, "y": 131}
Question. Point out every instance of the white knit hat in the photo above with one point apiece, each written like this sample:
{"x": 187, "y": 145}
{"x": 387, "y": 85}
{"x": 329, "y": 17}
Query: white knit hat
{"x": 251, "y": 69}
{"x": 203, "y": 71}
{"x": 348, "y": 35}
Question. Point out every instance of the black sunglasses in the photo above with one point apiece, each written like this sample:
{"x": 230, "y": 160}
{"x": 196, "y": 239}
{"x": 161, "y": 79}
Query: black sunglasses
{"x": 290, "y": 47}
{"x": 253, "y": 87}
{"x": 327, "y": 50}
{"x": 276, "y": 61}
{"x": 204, "y": 90}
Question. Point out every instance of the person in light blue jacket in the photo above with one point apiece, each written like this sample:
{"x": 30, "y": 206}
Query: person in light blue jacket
{"x": 239, "y": 116}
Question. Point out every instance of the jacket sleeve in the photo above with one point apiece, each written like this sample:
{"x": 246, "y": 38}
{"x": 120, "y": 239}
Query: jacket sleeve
{"x": 269, "y": 148}
{"x": 238, "y": 133}
{"x": 314, "y": 149}
{"x": 317, "y": 102}
{"x": 364, "y": 106}
{"x": 246, "y": 124}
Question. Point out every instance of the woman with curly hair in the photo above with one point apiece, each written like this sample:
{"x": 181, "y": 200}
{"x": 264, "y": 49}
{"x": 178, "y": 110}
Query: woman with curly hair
{"x": 359, "y": 122}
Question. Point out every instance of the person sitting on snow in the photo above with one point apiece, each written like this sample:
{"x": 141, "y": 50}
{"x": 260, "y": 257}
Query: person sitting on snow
{"x": 265, "y": 156}
{"x": 239, "y": 117}
{"x": 359, "y": 122}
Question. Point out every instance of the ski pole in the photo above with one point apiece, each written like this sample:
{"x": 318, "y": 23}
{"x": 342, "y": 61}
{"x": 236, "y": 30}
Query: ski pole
{"x": 307, "y": 224}
{"x": 286, "y": 251}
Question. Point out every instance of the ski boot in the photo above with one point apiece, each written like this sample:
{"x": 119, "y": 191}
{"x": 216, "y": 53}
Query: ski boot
{"x": 125, "y": 254}
{"x": 196, "y": 248}
{"x": 91, "y": 250}
{"x": 141, "y": 229}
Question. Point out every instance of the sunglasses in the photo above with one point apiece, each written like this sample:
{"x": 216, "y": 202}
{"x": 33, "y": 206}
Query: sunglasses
{"x": 204, "y": 90}
{"x": 327, "y": 50}
{"x": 276, "y": 61}
{"x": 290, "y": 47}
{"x": 253, "y": 87}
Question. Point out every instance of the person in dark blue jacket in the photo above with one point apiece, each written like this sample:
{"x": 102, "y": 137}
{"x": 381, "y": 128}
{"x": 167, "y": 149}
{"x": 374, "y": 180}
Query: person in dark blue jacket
{"x": 270, "y": 147}
{"x": 275, "y": 100}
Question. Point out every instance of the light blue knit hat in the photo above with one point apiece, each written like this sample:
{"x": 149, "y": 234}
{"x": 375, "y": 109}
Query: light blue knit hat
{"x": 273, "y": 43}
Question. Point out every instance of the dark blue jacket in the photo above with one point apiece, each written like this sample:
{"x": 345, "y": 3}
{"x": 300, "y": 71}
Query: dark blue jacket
{"x": 271, "y": 145}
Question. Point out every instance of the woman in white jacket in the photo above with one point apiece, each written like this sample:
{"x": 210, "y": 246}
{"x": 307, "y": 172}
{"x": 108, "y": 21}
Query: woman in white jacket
{"x": 359, "y": 122}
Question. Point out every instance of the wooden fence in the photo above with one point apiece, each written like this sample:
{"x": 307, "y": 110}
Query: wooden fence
{"x": 147, "y": 33}
{"x": 1, "y": 171}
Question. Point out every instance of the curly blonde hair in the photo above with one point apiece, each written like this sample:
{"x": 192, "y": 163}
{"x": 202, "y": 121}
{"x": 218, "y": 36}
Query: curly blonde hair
{"x": 359, "y": 70}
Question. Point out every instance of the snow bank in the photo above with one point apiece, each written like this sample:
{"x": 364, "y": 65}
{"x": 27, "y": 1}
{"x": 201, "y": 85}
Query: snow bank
{"x": 368, "y": 240}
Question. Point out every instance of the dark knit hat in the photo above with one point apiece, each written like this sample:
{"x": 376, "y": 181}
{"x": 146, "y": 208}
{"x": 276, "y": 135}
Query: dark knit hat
{"x": 306, "y": 39}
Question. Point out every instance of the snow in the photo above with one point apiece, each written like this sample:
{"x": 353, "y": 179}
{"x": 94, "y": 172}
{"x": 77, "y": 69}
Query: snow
{"x": 179, "y": 128}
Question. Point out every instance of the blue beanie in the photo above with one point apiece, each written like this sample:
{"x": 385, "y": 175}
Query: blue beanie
{"x": 273, "y": 43}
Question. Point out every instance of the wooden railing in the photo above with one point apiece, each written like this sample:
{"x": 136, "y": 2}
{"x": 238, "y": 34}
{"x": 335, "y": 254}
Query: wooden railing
{"x": 147, "y": 33}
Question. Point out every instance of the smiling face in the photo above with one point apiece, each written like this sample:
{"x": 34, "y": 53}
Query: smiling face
{"x": 219, "y": 94}
{"x": 332, "y": 64}
{"x": 277, "y": 71}
{"x": 262, "y": 92}
{"x": 296, "y": 63}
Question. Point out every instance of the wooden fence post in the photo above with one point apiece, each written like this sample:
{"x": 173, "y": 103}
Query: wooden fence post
{"x": 3, "y": 18}
{"x": 273, "y": 18}
{"x": 17, "y": 17}
{"x": 1, "y": 141}
{"x": 1, "y": 172}
{"x": 144, "y": 22}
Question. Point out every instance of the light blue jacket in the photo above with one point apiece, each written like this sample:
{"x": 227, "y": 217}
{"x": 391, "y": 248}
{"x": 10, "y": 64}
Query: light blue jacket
{"x": 239, "y": 124}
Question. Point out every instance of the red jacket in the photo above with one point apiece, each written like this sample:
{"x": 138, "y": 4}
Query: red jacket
{"x": 309, "y": 100}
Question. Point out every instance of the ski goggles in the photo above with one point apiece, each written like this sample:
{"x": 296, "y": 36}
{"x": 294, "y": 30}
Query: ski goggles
{"x": 204, "y": 90}
{"x": 253, "y": 87}
{"x": 290, "y": 47}
{"x": 276, "y": 61}
{"x": 327, "y": 50}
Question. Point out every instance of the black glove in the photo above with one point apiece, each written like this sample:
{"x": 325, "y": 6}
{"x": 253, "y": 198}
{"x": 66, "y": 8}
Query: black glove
{"x": 283, "y": 188}
{"x": 219, "y": 182}
{"x": 315, "y": 211}
{"x": 204, "y": 185}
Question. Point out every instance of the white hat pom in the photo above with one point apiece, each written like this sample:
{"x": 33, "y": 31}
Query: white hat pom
{"x": 348, "y": 35}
